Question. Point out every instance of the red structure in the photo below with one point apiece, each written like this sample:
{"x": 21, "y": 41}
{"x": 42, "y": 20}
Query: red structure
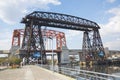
{"x": 16, "y": 38}
{"x": 59, "y": 36}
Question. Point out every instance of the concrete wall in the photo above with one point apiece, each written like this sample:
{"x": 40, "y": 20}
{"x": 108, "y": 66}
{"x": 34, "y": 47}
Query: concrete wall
{"x": 65, "y": 55}
{"x": 4, "y": 53}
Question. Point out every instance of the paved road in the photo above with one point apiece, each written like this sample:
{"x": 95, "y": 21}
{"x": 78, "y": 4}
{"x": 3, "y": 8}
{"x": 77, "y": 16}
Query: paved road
{"x": 31, "y": 72}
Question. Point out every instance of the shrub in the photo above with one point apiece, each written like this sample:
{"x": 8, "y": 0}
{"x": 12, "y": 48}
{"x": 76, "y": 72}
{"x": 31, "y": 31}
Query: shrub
{"x": 3, "y": 61}
{"x": 14, "y": 60}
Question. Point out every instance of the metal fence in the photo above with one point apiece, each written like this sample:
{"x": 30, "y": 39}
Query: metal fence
{"x": 83, "y": 74}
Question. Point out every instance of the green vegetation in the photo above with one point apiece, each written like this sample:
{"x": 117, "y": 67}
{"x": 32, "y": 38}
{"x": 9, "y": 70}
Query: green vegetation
{"x": 3, "y": 61}
{"x": 14, "y": 60}
{"x": 49, "y": 61}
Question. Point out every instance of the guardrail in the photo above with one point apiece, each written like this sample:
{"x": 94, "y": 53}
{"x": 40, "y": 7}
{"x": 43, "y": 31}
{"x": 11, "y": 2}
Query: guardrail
{"x": 84, "y": 74}
{"x": 3, "y": 68}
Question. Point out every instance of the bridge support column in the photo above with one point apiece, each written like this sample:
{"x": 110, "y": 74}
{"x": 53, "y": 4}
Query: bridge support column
{"x": 59, "y": 58}
{"x": 65, "y": 55}
{"x": 97, "y": 46}
{"x": 86, "y": 47}
{"x": 33, "y": 41}
{"x": 92, "y": 47}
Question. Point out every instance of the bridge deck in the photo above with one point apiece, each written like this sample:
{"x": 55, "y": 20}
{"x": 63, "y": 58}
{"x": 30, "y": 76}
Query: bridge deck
{"x": 31, "y": 73}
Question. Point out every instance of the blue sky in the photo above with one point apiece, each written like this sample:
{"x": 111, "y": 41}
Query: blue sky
{"x": 105, "y": 12}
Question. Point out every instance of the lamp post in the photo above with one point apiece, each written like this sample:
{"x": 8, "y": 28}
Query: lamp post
{"x": 41, "y": 60}
{"x": 52, "y": 53}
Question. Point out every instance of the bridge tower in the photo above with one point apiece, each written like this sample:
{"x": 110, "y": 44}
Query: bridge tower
{"x": 92, "y": 46}
{"x": 33, "y": 40}
{"x": 16, "y": 40}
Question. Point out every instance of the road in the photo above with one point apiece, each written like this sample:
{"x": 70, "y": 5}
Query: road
{"x": 31, "y": 72}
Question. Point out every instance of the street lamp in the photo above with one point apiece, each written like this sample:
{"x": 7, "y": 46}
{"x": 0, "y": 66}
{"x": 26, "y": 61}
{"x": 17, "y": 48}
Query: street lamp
{"x": 41, "y": 59}
{"x": 52, "y": 53}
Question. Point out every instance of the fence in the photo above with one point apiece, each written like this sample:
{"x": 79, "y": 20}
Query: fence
{"x": 83, "y": 74}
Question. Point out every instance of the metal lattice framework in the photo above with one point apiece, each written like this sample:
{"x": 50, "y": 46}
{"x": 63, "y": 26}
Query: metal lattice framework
{"x": 60, "y": 21}
{"x": 91, "y": 45}
{"x": 60, "y": 37}
{"x": 16, "y": 38}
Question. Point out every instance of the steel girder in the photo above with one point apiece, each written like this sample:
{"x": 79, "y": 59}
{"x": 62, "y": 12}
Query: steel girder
{"x": 58, "y": 20}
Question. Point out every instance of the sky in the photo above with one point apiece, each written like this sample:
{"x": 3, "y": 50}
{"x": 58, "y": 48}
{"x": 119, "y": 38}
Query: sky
{"x": 104, "y": 12}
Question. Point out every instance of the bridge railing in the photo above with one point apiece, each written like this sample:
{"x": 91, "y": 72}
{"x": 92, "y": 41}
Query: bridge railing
{"x": 83, "y": 74}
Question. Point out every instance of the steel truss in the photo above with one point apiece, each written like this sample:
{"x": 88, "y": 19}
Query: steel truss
{"x": 33, "y": 41}
{"x": 91, "y": 47}
{"x": 59, "y": 36}
{"x": 16, "y": 37}
{"x": 60, "y": 21}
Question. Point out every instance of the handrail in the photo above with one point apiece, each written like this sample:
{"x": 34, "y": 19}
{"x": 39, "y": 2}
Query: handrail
{"x": 84, "y": 74}
{"x": 90, "y": 74}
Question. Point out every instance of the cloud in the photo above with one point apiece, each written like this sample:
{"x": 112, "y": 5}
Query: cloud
{"x": 11, "y": 11}
{"x": 5, "y": 44}
{"x": 113, "y": 25}
{"x": 5, "y": 39}
{"x": 74, "y": 39}
{"x": 72, "y": 33}
{"x": 111, "y": 1}
{"x": 113, "y": 45}
{"x": 111, "y": 30}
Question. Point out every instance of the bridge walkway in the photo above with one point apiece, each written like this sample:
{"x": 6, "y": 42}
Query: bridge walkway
{"x": 31, "y": 72}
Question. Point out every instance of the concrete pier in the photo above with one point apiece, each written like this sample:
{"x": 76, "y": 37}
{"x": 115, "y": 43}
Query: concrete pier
{"x": 31, "y": 72}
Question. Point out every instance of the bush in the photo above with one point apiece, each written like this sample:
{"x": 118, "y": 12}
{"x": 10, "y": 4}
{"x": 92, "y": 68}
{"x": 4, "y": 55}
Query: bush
{"x": 14, "y": 60}
{"x": 3, "y": 61}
